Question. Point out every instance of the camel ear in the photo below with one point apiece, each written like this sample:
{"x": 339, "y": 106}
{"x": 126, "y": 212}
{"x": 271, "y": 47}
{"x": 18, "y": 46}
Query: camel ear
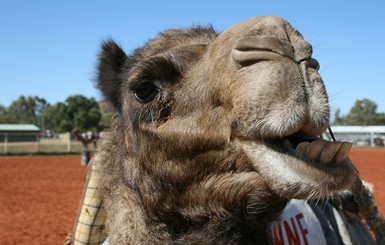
{"x": 110, "y": 71}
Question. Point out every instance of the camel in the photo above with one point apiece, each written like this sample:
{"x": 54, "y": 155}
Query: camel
{"x": 215, "y": 133}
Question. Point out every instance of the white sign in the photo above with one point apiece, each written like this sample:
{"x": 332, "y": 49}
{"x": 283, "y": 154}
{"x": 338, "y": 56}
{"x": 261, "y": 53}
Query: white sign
{"x": 298, "y": 226}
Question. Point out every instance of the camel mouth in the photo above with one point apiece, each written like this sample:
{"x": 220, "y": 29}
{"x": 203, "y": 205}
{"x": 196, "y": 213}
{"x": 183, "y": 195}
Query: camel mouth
{"x": 291, "y": 142}
{"x": 315, "y": 151}
{"x": 297, "y": 138}
{"x": 302, "y": 162}
{"x": 290, "y": 145}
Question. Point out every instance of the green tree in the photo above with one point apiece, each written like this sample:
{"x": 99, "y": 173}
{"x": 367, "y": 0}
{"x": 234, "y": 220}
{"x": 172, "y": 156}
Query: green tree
{"x": 364, "y": 112}
{"x": 27, "y": 110}
{"x": 338, "y": 119}
{"x": 77, "y": 113}
{"x": 3, "y": 114}
{"x": 57, "y": 118}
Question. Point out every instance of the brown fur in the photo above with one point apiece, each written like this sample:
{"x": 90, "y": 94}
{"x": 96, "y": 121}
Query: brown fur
{"x": 196, "y": 153}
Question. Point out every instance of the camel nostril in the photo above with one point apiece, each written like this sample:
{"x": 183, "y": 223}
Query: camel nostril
{"x": 251, "y": 49}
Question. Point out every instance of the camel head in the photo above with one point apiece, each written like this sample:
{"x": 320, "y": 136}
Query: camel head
{"x": 215, "y": 133}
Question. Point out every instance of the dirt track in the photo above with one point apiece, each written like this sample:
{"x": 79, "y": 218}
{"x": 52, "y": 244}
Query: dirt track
{"x": 39, "y": 195}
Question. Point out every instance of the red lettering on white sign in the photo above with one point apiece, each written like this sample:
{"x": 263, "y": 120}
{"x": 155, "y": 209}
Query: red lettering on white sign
{"x": 290, "y": 232}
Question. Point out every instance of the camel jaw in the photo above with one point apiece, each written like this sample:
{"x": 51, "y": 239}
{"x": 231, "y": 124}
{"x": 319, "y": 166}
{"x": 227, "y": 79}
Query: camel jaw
{"x": 295, "y": 174}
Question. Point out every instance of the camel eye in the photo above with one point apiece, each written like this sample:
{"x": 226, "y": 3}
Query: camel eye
{"x": 146, "y": 91}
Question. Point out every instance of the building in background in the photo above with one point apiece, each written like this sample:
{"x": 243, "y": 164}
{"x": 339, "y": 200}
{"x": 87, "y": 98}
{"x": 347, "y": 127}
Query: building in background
{"x": 19, "y": 133}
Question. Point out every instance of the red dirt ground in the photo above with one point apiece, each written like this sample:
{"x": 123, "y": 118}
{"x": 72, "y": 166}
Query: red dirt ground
{"x": 39, "y": 195}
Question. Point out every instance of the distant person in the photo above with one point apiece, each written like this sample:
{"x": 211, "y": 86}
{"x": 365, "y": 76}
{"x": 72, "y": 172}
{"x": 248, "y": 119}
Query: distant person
{"x": 85, "y": 139}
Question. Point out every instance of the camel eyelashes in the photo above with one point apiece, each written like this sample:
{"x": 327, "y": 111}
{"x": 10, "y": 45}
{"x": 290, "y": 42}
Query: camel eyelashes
{"x": 146, "y": 91}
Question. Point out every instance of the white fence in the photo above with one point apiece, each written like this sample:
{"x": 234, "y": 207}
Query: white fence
{"x": 24, "y": 143}
{"x": 361, "y": 135}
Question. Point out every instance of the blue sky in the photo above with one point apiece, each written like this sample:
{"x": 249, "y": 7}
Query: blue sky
{"x": 49, "y": 48}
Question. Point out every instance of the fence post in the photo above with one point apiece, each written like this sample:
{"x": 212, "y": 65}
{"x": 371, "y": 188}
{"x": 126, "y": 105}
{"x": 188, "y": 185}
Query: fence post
{"x": 37, "y": 142}
{"x": 5, "y": 143}
{"x": 69, "y": 143}
{"x": 372, "y": 139}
